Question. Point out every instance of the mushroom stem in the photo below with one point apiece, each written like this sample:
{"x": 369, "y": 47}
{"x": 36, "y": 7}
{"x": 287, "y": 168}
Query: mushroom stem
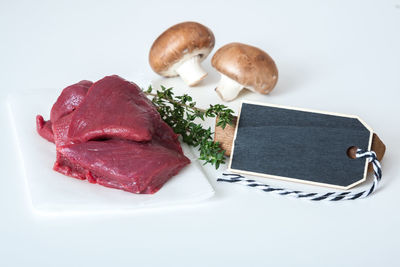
{"x": 191, "y": 72}
{"x": 228, "y": 89}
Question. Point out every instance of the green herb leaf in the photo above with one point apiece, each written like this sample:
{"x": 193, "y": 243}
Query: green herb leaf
{"x": 180, "y": 112}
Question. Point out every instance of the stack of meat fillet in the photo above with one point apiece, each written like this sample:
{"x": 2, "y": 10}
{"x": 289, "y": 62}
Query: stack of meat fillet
{"x": 109, "y": 133}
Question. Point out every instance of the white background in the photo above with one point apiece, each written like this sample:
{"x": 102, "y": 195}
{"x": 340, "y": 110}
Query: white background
{"x": 340, "y": 56}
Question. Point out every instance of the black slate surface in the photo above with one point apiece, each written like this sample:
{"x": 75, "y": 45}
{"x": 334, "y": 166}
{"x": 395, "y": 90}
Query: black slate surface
{"x": 299, "y": 144}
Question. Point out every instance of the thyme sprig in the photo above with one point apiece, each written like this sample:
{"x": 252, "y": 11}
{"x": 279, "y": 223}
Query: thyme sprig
{"x": 180, "y": 112}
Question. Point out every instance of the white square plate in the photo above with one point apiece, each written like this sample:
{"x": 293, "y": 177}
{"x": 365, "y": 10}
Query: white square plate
{"x": 53, "y": 193}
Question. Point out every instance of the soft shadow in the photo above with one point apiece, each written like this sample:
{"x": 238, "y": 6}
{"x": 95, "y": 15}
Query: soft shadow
{"x": 212, "y": 77}
{"x": 291, "y": 76}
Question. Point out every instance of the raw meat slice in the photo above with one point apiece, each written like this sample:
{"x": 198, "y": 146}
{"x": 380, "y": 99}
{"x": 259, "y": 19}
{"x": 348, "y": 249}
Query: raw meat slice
{"x": 131, "y": 166}
{"x": 60, "y": 130}
{"x": 64, "y": 166}
{"x": 70, "y": 98}
{"x": 167, "y": 137}
{"x": 44, "y": 128}
{"x": 114, "y": 108}
{"x": 164, "y": 134}
{"x": 111, "y": 111}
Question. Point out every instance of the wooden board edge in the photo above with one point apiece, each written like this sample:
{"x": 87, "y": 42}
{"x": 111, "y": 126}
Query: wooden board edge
{"x": 371, "y": 135}
{"x": 288, "y": 179}
{"x": 234, "y": 136}
{"x": 299, "y": 109}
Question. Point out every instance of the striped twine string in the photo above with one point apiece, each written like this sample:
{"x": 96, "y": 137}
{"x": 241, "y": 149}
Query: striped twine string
{"x": 331, "y": 196}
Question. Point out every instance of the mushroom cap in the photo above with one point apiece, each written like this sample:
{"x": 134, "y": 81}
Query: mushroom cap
{"x": 186, "y": 39}
{"x": 248, "y": 65}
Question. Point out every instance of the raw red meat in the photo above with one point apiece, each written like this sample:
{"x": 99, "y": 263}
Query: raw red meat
{"x": 166, "y": 136}
{"x": 70, "y": 98}
{"x": 44, "y": 128}
{"x": 114, "y": 108}
{"x": 131, "y": 166}
{"x": 60, "y": 130}
{"x": 108, "y": 120}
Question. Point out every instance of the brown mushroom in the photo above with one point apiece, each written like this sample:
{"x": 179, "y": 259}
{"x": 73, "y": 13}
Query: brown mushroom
{"x": 179, "y": 51}
{"x": 243, "y": 66}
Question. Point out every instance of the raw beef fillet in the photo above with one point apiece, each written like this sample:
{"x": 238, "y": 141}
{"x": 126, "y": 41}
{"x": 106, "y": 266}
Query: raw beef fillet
{"x": 44, "y": 128}
{"x": 131, "y": 166}
{"x": 70, "y": 98}
{"x": 104, "y": 148}
{"x": 114, "y": 108}
{"x": 167, "y": 137}
{"x": 60, "y": 130}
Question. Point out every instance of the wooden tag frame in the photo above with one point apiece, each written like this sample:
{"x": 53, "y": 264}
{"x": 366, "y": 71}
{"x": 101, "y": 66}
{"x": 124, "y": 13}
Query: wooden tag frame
{"x": 371, "y": 132}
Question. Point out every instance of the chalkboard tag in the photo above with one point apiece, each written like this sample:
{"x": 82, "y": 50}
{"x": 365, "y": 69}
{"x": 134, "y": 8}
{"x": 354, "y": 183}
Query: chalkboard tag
{"x": 299, "y": 145}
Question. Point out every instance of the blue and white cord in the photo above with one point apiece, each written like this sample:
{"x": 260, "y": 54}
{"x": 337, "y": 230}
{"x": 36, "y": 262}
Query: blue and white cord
{"x": 331, "y": 196}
